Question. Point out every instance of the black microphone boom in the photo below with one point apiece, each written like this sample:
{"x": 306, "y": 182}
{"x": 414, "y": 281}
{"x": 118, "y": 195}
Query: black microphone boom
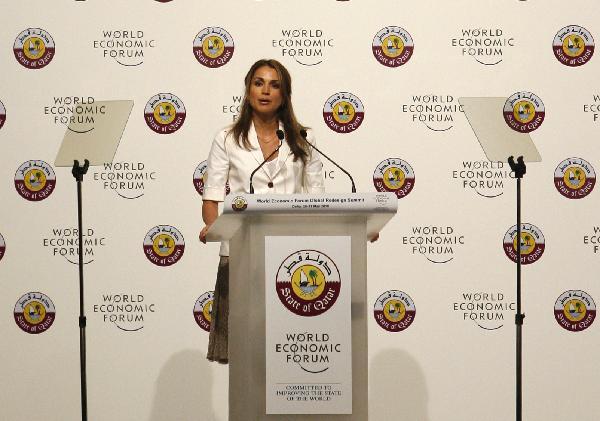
{"x": 304, "y": 134}
{"x": 281, "y": 137}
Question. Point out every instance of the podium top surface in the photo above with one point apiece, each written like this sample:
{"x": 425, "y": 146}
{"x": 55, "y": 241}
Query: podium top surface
{"x": 378, "y": 208}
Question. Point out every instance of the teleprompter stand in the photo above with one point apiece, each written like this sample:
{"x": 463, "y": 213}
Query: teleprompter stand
{"x": 519, "y": 168}
{"x": 499, "y": 141}
{"x": 78, "y": 172}
{"x": 95, "y": 145}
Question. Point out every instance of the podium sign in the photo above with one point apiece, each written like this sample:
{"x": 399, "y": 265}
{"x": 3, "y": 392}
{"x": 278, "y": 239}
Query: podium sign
{"x": 298, "y": 309}
{"x": 308, "y": 325}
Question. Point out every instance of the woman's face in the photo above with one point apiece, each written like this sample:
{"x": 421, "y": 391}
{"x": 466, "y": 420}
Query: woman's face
{"x": 265, "y": 91}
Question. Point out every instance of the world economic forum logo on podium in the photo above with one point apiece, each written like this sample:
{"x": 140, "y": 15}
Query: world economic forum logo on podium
{"x": 308, "y": 283}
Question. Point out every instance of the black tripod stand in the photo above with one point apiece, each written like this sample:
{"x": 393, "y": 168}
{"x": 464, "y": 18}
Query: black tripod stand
{"x": 78, "y": 172}
{"x": 519, "y": 168}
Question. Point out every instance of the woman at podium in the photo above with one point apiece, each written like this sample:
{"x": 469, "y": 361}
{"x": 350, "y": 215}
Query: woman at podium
{"x": 268, "y": 132}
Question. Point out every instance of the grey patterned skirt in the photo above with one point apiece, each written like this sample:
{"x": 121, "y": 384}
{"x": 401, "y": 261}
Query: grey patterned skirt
{"x": 217, "y": 340}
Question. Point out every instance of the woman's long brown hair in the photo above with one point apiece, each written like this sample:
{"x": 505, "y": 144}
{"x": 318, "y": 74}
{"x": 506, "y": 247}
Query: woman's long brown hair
{"x": 285, "y": 113}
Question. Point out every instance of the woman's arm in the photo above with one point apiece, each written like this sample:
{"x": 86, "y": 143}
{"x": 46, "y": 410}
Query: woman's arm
{"x": 217, "y": 172}
{"x": 210, "y": 211}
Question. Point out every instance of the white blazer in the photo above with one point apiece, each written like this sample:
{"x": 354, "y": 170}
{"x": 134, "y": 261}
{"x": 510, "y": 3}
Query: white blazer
{"x": 228, "y": 162}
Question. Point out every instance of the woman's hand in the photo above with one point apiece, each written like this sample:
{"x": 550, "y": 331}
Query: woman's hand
{"x": 202, "y": 235}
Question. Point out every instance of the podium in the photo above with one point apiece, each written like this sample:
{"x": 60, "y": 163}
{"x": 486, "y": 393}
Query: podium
{"x": 298, "y": 311}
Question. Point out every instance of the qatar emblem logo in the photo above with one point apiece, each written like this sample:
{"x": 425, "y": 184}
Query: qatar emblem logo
{"x": 532, "y": 244}
{"x": 574, "y": 178}
{"x": 393, "y": 46}
{"x": 343, "y": 112}
{"x": 575, "y": 310}
{"x": 200, "y": 178}
{"x": 2, "y": 114}
{"x": 308, "y": 283}
{"x": 164, "y": 113}
{"x": 394, "y": 311}
{"x": 2, "y": 247}
{"x": 203, "y": 310}
{"x": 34, "y": 313}
{"x": 394, "y": 175}
{"x": 239, "y": 204}
{"x": 164, "y": 245}
{"x": 34, "y": 48}
{"x": 35, "y": 180}
{"x": 213, "y": 47}
{"x": 573, "y": 46}
{"x": 524, "y": 112}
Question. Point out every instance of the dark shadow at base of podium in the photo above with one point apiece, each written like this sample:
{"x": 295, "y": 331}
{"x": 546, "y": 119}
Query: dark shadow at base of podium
{"x": 184, "y": 388}
{"x": 397, "y": 389}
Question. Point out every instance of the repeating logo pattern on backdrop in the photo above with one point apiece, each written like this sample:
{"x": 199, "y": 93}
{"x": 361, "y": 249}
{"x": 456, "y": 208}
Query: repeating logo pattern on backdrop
{"x": 487, "y": 310}
{"x": 573, "y": 46}
{"x": 125, "y": 47}
{"x": 436, "y": 112}
{"x": 394, "y": 175}
{"x": 574, "y": 178}
{"x": 575, "y": 310}
{"x": 127, "y": 179}
{"x": 200, "y": 178}
{"x": 343, "y": 112}
{"x": 164, "y": 245}
{"x": 34, "y": 312}
{"x": 35, "y": 180}
{"x": 232, "y": 108}
{"x": 124, "y": 311}
{"x": 2, "y": 247}
{"x": 394, "y": 311}
{"x": 593, "y": 239}
{"x": 485, "y": 178}
{"x": 308, "y": 283}
{"x": 306, "y": 46}
{"x": 64, "y": 241}
{"x": 34, "y": 48}
{"x": 593, "y": 108}
{"x": 532, "y": 244}
{"x": 524, "y": 112}
{"x": 164, "y": 113}
{"x": 2, "y": 114}
{"x": 78, "y": 112}
{"x": 486, "y": 45}
{"x": 438, "y": 244}
{"x": 203, "y": 310}
{"x": 393, "y": 46}
{"x": 213, "y": 47}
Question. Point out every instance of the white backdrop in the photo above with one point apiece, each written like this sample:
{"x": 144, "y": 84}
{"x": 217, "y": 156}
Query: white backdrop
{"x": 150, "y": 364}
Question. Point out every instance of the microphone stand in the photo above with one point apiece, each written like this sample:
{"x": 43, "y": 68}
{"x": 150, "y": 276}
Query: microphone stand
{"x": 304, "y": 134}
{"x": 519, "y": 168}
{"x": 78, "y": 172}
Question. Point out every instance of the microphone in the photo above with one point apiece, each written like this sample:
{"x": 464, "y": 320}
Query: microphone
{"x": 304, "y": 134}
{"x": 281, "y": 137}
